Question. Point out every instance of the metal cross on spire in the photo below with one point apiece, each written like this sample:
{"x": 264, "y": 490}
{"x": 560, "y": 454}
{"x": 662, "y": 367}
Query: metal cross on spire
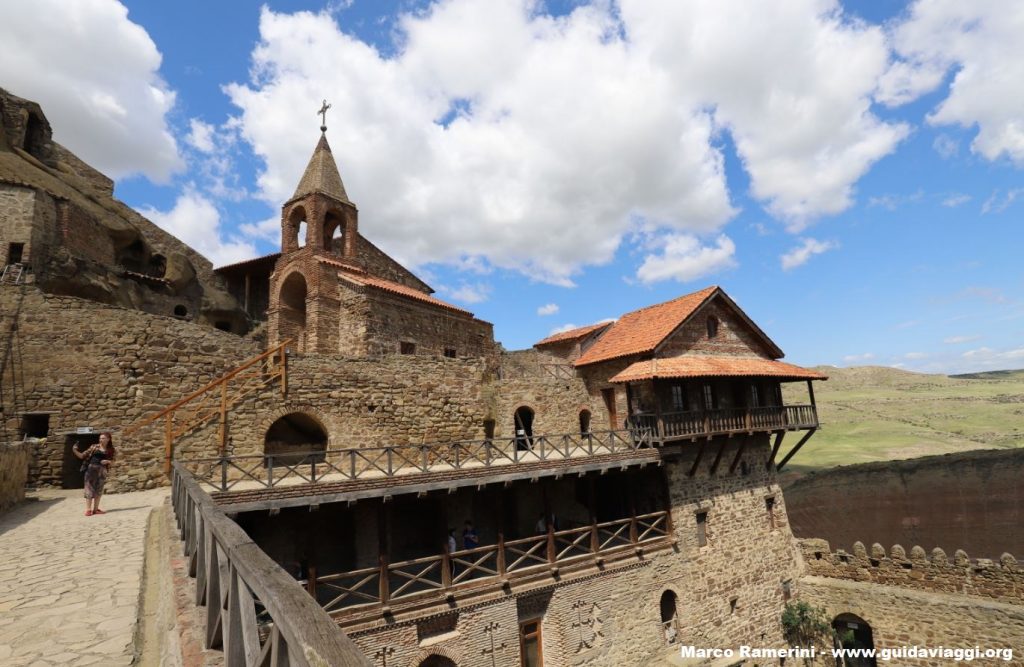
{"x": 323, "y": 116}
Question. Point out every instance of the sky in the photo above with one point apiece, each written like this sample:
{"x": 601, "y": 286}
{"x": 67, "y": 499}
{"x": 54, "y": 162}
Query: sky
{"x": 850, "y": 173}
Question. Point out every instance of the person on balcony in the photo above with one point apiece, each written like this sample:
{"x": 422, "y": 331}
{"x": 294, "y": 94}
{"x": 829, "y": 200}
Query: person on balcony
{"x": 470, "y": 538}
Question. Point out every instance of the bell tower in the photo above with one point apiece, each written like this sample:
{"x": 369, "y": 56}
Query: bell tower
{"x": 303, "y": 288}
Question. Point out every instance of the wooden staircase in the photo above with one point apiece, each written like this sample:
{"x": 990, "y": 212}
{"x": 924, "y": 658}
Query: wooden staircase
{"x": 215, "y": 400}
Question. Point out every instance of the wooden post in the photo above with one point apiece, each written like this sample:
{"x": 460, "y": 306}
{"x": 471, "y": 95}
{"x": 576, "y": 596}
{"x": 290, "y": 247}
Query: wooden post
{"x": 657, "y": 412}
{"x": 223, "y": 417}
{"x": 501, "y": 554}
{"x": 595, "y": 543}
{"x": 169, "y": 442}
{"x": 632, "y": 511}
{"x": 246, "y": 300}
{"x": 311, "y": 582}
{"x": 385, "y": 592}
{"x": 446, "y": 567}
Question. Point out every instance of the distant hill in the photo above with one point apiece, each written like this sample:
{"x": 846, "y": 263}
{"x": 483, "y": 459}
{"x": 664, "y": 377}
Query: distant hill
{"x": 874, "y": 413}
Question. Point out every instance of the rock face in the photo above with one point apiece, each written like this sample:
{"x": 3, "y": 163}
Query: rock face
{"x": 63, "y": 224}
{"x": 974, "y": 498}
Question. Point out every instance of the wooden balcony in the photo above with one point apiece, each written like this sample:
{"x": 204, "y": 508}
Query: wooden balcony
{"x": 695, "y": 424}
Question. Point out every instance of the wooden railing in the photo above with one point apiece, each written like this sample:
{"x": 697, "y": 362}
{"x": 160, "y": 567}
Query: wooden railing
{"x": 696, "y": 423}
{"x": 494, "y": 563}
{"x": 215, "y": 399}
{"x": 267, "y": 471}
{"x": 255, "y": 612}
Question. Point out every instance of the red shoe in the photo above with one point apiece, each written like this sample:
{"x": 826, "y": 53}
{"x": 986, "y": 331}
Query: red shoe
{"x": 88, "y": 512}
{"x": 98, "y": 512}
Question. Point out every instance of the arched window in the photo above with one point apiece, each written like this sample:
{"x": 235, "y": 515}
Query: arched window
{"x": 334, "y": 228}
{"x": 854, "y": 632}
{"x": 437, "y": 661}
{"x": 712, "y": 326}
{"x": 292, "y": 301}
{"x": 294, "y": 231}
{"x": 584, "y": 422}
{"x": 669, "y": 622}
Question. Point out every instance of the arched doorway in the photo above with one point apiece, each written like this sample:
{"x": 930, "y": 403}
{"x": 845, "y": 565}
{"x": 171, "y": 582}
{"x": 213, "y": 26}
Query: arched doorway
{"x": 584, "y": 422}
{"x": 293, "y": 310}
{"x": 523, "y": 424}
{"x": 669, "y": 621}
{"x": 854, "y": 632}
{"x": 438, "y": 661}
{"x": 295, "y": 438}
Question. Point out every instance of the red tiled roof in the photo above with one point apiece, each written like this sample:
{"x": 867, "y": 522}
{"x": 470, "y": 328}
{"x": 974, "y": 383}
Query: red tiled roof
{"x": 401, "y": 290}
{"x": 700, "y": 365}
{"x": 643, "y": 330}
{"x": 572, "y": 334}
{"x": 244, "y": 262}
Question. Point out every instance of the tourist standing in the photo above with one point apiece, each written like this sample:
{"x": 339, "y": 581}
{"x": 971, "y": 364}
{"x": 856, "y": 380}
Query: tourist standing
{"x": 98, "y": 459}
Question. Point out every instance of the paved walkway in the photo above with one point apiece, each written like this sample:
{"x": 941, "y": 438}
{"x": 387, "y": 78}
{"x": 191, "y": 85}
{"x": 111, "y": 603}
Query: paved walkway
{"x": 70, "y": 584}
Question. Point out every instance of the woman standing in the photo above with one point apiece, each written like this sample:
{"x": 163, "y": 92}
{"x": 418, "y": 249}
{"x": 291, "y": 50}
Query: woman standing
{"x": 97, "y": 463}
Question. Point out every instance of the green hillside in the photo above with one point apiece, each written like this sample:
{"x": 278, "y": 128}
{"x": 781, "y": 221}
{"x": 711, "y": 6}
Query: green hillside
{"x": 872, "y": 413}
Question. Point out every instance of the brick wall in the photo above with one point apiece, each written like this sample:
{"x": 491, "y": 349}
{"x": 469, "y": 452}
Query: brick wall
{"x": 13, "y": 474}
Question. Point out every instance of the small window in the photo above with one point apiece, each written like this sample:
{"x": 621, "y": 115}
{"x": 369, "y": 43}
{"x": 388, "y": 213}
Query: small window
{"x": 712, "y": 327}
{"x": 584, "y": 422}
{"x": 755, "y": 396}
{"x": 180, "y": 311}
{"x": 787, "y": 589}
{"x": 678, "y": 398}
{"x": 769, "y": 505}
{"x": 15, "y": 251}
{"x": 734, "y": 604}
{"x": 710, "y": 402}
{"x": 450, "y": 352}
{"x": 405, "y": 347}
{"x": 530, "y": 644}
{"x": 702, "y": 529}
{"x": 35, "y": 425}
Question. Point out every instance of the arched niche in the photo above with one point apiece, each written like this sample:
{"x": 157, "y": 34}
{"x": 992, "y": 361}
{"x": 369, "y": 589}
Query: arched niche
{"x": 292, "y": 301}
{"x": 294, "y": 438}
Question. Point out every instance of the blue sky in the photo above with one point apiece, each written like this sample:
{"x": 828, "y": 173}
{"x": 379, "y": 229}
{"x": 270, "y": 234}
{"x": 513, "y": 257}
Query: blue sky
{"x": 849, "y": 172}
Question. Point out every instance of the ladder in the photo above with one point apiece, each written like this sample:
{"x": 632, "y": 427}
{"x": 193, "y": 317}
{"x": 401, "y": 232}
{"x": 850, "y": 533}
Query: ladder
{"x": 12, "y": 274}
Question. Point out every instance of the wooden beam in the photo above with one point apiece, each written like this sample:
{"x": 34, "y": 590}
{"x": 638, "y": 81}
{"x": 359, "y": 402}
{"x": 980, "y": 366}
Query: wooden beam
{"x": 718, "y": 457}
{"x": 736, "y": 459}
{"x": 696, "y": 461}
{"x": 810, "y": 392}
{"x": 775, "y": 449}
{"x": 796, "y": 449}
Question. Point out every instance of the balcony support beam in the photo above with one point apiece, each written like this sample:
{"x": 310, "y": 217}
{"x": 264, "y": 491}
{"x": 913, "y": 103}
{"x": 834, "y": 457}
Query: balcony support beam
{"x": 739, "y": 455}
{"x": 718, "y": 457}
{"x": 795, "y": 449}
{"x": 779, "y": 435}
{"x": 696, "y": 461}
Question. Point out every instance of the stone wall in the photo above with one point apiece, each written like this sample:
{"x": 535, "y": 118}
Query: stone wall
{"x": 1001, "y": 580}
{"x": 734, "y": 338}
{"x": 13, "y": 474}
{"x": 548, "y": 386}
{"x": 104, "y": 367}
{"x": 17, "y": 207}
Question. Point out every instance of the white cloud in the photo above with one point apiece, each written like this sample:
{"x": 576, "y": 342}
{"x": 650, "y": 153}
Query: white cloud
{"x": 95, "y": 73}
{"x": 803, "y": 252}
{"x": 563, "y": 329}
{"x": 980, "y": 42}
{"x": 467, "y": 293}
{"x": 684, "y": 259}
{"x": 200, "y": 136}
{"x": 955, "y": 200}
{"x": 538, "y": 144}
{"x": 853, "y": 358}
{"x": 915, "y": 355}
{"x": 997, "y": 202}
{"x": 956, "y": 340}
{"x": 548, "y": 309}
{"x": 946, "y": 146}
{"x": 195, "y": 220}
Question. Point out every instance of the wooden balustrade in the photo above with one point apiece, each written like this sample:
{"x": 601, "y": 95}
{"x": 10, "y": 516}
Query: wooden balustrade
{"x": 697, "y": 423}
{"x": 489, "y": 564}
{"x": 267, "y": 471}
{"x": 255, "y": 612}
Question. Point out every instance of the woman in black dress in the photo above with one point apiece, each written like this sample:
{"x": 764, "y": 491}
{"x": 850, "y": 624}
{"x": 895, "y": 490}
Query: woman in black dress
{"x": 97, "y": 463}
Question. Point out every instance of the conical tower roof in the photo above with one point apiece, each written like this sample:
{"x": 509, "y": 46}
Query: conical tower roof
{"x": 321, "y": 175}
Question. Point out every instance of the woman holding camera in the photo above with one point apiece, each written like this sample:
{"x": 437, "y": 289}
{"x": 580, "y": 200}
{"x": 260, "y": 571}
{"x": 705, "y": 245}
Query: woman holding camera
{"x": 97, "y": 463}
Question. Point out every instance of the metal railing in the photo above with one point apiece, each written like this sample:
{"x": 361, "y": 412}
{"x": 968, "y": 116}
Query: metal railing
{"x": 255, "y": 612}
{"x": 357, "y": 463}
{"x": 494, "y": 563}
{"x": 696, "y": 423}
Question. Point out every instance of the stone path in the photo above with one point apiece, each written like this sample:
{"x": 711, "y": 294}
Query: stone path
{"x": 70, "y": 584}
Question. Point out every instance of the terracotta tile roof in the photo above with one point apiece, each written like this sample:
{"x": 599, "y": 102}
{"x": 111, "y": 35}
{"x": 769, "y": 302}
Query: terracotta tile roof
{"x": 395, "y": 288}
{"x": 255, "y": 260}
{"x": 641, "y": 331}
{"x": 572, "y": 334}
{"x": 699, "y": 365}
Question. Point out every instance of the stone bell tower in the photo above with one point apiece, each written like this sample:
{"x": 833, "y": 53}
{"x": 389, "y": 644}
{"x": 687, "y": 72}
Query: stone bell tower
{"x": 319, "y": 231}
